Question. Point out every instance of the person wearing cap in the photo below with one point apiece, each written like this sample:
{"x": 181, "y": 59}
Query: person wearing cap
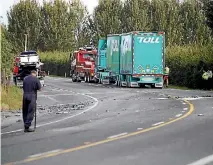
{"x": 166, "y": 75}
{"x": 30, "y": 87}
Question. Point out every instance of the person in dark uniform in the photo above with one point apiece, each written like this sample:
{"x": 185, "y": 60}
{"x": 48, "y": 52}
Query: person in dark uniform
{"x": 30, "y": 87}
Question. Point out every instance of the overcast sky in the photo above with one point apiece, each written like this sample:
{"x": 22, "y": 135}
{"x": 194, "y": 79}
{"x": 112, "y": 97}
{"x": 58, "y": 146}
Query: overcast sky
{"x": 6, "y": 4}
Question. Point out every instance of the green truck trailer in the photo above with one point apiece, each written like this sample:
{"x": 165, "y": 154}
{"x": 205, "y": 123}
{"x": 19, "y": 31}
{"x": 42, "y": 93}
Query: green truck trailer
{"x": 135, "y": 59}
{"x": 142, "y": 59}
{"x": 101, "y": 72}
{"x": 113, "y": 57}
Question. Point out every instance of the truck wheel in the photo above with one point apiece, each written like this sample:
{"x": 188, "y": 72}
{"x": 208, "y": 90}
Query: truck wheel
{"x": 142, "y": 85}
{"x": 78, "y": 78}
{"x": 116, "y": 83}
{"x": 128, "y": 84}
{"x": 85, "y": 78}
{"x": 73, "y": 79}
{"x": 153, "y": 86}
{"x": 119, "y": 84}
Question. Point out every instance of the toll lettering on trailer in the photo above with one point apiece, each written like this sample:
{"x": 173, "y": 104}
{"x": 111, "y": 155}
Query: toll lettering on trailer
{"x": 146, "y": 40}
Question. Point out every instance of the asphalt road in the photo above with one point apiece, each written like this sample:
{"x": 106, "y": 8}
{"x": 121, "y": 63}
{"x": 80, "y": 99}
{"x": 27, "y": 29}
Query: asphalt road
{"x": 116, "y": 126}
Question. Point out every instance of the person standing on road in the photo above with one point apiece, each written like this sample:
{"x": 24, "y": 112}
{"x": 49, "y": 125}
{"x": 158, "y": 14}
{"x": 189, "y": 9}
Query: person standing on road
{"x": 166, "y": 75}
{"x": 30, "y": 87}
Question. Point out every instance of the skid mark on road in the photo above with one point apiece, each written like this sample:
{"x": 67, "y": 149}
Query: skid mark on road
{"x": 191, "y": 109}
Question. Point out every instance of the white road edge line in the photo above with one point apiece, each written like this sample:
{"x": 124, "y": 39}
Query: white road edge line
{"x": 114, "y": 136}
{"x": 48, "y": 152}
{"x": 178, "y": 115}
{"x": 139, "y": 128}
{"x": 69, "y": 117}
{"x": 157, "y": 123}
{"x": 162, "y": 98}
{"x": 203, "y": 161}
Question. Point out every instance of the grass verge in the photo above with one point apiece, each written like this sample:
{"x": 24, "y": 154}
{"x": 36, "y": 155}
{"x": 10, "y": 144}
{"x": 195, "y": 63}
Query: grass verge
{"x": 179, "y": 87}
{"x": 11, "y": 98}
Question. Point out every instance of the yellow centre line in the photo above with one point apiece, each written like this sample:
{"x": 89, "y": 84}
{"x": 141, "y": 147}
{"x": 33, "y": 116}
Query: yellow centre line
{"x": 191, "y": 109}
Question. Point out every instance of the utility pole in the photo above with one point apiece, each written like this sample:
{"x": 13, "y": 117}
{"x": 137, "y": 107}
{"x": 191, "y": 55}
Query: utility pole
{"x": 25, "y": 45}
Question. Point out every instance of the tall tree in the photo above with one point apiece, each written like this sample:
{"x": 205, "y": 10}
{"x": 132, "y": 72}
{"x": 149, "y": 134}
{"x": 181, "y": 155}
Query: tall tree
{"x": 6, "y": 55}
{"x": 81, "y": 16}
{"x": 208, "y": 7}
{"x": 58, "y": 26}
{"x": 106, "y": 17}
{"x": 24, "y": 18}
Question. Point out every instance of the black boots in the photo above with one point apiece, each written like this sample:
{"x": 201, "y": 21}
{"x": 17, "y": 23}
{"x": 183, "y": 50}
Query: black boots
{"x": 27, "y": 129}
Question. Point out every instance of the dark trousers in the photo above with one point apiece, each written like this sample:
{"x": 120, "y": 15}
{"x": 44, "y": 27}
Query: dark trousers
{"x": 28, "y": 109}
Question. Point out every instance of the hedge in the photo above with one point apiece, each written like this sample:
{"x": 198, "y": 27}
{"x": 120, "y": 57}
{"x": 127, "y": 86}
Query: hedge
{"x": 187, "y": 64}
{"x": 57, "y": 63}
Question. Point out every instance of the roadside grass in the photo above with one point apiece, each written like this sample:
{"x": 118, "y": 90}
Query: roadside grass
{"x": 185, "y": 88}
{"x": 11, "y": 98}
{"x": 54, "y": 76}
{"x": 59, "y": 76}
{"x": 179, "y": 87}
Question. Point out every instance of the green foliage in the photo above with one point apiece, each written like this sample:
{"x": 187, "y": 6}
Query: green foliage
{"x": 208, "y": 7}
{"x": 11, "y": 93}
{"x": 182, "y": 22}
{"x": 6, "y": 54}
{"x": 106, "y": 18}
{"x": 57, "y": 63}
{"x": 53, "y": 26}
{"x": 24, "y": 18}
{"x": 187, "y": 64}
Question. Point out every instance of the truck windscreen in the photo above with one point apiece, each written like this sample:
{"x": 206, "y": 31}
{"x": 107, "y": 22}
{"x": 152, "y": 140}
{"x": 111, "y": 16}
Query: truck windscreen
{"x": 28, "y": 54}
{"x": 89, "y": 55}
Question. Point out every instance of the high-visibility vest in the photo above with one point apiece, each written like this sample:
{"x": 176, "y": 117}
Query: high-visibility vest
{"x": 167, "y": 70}
{"x": 205, "y": 76}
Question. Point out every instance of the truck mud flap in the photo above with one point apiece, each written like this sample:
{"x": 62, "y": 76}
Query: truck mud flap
{"x": 134, "y": 84}
{"x": 158, "y": 85}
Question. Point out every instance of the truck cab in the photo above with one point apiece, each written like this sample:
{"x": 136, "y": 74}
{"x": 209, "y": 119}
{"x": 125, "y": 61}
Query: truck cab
{"x": 83, "y": 64}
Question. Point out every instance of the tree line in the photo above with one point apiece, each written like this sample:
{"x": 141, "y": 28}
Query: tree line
{"x": 63, "y": 26}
